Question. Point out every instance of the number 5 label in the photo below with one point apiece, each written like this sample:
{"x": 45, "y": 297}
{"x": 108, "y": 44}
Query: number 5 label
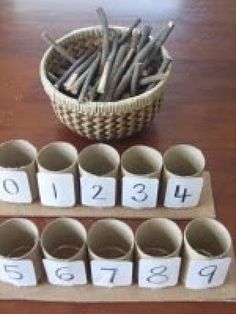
{"x": 20, "y": 273}
{"x": 158, "y": 273}
{"x": 69, "y": 273}
{"x": 111, "y": 273}
{"x": 183, "y": 192}
{"x": 98, "y": 191}
{"x": 207, "y": 274}
{"x": 139, "y": 192}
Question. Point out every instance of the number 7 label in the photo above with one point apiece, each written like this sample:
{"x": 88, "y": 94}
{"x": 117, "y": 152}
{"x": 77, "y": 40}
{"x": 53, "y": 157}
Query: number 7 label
{"x": 111, "y": 273}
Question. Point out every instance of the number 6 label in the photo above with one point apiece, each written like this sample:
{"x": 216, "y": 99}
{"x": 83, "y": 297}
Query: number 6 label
{"x": 111, "y": 273}
{"x": 65, "y": 273}
{"x": 158, "y": 273}
{"x": 19, "y": 273}
{"x": 98, "y": 192}
{"x": 139, "y": 192}
{"x": 207, "y": 274}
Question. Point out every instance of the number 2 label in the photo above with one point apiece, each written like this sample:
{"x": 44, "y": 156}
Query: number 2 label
{"x": 20, "y": 273}
{"x": 139, "y": 192}
{"x": 111, "y": 273}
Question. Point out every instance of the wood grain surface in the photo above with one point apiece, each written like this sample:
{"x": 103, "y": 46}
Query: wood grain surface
{"x": 199, "y": 106}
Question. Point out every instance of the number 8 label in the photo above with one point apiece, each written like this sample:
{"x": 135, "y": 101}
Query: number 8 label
{"x": 139, "y": 192}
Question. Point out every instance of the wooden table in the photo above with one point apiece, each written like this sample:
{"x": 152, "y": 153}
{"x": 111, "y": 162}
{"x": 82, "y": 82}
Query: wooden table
{"x": 199, "y": 106}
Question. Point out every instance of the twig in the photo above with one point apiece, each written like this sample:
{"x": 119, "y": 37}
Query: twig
{"x": 107, "y": 67}
{"x": 105, "y": 33}
{"x": 119, "y": 57}
{"x": 89, "y": 77}
{"x": 75, "y": 87}
{"x": 135, "y": 78}
{"x": 159, "y": 75}
{"x": 57, "y": 47}
{"x": 72, "y": 68}
{"x": 52, "y": 78}
{"x": 80, "y": 69}
{"x": 144, "y": 37}
{"x": 128, "y": 33}
{"x": 143, "y": 53}
{"x": 132, "y": 50}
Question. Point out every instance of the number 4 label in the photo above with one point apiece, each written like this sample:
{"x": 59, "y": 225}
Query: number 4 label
{"x": 183, "y": 192}
{"x": 139, "y": 192}
{"x": 98, "y": 191}
{"x": 111, "y": 273}
{"x": 207, "y": 274}
{"x": 158, "y": 273}
{"x": 20, "y": 273}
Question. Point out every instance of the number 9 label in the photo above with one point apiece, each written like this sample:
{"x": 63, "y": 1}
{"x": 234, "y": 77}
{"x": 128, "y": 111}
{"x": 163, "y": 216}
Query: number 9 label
{"x": 20, "y": 273}
{"x": 139, "y": 192}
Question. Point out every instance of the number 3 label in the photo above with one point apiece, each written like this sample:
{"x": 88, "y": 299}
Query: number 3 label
{"x": 139, "y": 192}
{"x": 207, "y": 274}
{"x": 19, "y": 273}
{"x": 98, "y": 192}
{"x": 158, "y": 273}
{"x": 111, "y": 273}
{"x": 65, "y": 273}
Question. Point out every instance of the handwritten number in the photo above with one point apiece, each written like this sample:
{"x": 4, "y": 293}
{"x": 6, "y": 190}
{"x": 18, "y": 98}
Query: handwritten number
{"x": 156, "y": 272}
{"x": 140, "y": 189}
{"x": 183, "y": 196}
{"x": 209, "y": 272}
{"x": 64, "y": 274}
{"x": 12, "y": 272}
{"x": 113, "y": 273}
{"x": 15, "y": 188}
{"x": 97, "y": 192}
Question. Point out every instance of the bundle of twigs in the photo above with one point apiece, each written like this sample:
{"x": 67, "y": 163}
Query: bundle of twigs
{"x": 123, "y": 66}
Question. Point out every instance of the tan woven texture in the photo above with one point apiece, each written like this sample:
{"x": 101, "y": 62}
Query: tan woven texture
{"x": 99, "y": 120}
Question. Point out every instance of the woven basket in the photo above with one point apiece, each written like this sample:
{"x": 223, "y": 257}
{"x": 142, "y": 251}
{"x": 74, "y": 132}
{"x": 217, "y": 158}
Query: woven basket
{"x": 99, "y": 120}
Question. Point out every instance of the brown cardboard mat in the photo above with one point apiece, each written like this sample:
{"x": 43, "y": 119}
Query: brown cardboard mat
{"x": 205, "y": 209}
{"x": 90, "y": 294}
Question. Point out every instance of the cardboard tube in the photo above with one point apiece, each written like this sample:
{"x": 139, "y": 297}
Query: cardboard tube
{"x": 20, "y": 155}
{"x": 141, "y": 160}
{"x": 158, "y": 238}
{"x": 110, "y": 239}
{"x": 205, "y": 239}
{"x": 184, "y": 161}
{"x": 19, "y": 240}
{"x": 99, "y": 160}
{"x": 64, "y": 239}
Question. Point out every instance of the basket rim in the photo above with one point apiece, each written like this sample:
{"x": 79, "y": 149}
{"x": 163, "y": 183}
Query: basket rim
{"x": 124, "y": 105}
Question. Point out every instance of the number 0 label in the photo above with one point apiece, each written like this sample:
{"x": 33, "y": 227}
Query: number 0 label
{"x": 19, "y": 273}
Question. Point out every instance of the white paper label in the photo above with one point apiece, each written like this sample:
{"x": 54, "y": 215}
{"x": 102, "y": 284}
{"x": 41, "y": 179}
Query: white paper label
{"x": 183, "y": 192}
{"x": 111, "y": 273}
{"x": 98, "y": 191}
{"x": 69, "y": 273}
{"x": 20, "y": 273}
{"x": 14, "y": 187}
{"x": 56, "y": 189}
{"x": 207, "y": 274}
{"x": 139, "y": 192}
{"x": 158, "y": 273}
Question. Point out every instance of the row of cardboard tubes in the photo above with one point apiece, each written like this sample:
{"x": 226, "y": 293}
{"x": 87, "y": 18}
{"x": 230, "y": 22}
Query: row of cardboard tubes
{"x": 65, "y": 240}
{"x": 97, "y": 160}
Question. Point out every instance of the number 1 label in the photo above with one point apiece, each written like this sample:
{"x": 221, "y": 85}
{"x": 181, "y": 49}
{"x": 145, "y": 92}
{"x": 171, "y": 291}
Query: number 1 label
{"x": 207, "y": 274}
{"x": 139, "y": 192}
{"x": 98, "y": 191}
{"x": 183, "y": 192}
{"x": 158, "y": 273}
{"x": 111, "y": 273}
{"x": 20, "y": 273}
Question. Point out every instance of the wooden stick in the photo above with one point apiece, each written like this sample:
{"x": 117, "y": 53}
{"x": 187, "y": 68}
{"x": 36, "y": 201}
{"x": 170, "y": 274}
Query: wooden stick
{"x": 107, "y": 67}
{"x": 105, "y": 33}
{"x": 57, "y": 47}
{"x": 143, "y": 53}
{"x": 89, "y": 77}
{"x": 72, "y": 68}
{"x": 52, "y": 78}
{"x": 127, "y": 34}
{"x": 135, "y": 78}
{"x": 132, "y": 50}
{"x": 144, "y": 37}
{"x": 75, "y": 87}
{"x": 159, "y": 75}
{"x": 119, "y": 57}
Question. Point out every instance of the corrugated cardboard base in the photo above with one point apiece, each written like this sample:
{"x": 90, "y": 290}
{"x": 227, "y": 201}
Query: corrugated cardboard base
{"x": 90, "y": 294}
{"x": 205, "y": 209}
